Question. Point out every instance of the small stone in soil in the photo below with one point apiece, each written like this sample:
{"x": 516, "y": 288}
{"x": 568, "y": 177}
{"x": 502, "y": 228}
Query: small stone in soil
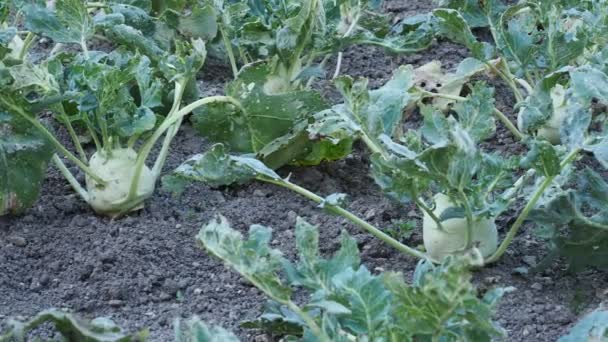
{"x": 18, "y": 241}
{"x": 115, "y": 303}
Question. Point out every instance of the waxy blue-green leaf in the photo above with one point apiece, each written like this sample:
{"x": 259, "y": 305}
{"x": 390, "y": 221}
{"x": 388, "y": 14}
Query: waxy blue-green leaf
{"x": 69, "y": 23}
{"x": 592, "y": 327}
{"x": 543, "y": 157}
{"x": 195, "y": 330}
{"x": 70, "y": 327}
{"x": 575, "y": 221}
{"x": 453, "y": 26}
{"x": 24, "y": 155}
{"x": 216, "y": 168}
{"x": 419, "y": 309}
{"x": 252, "y": 257}
{"x": 365, "y": 112}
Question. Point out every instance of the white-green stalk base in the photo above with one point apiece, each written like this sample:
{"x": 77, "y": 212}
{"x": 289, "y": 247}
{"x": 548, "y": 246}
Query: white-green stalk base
{"x": 453, "y": 239}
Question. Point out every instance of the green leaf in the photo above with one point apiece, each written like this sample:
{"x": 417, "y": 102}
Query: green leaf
{"x": 216, "y": 168}
{"x": 419, "y": 309}
{"x": 252, "y": 258}
{"x": 592, "y": 327}
{"x": 266, "y": 116}
{"x": 70, "y": 23}
{"x": 71, "y": 328}
{"x": 313, "y": 272}
{"x": 453, "y": 26}
{"x": 195, "y": 330}
{"x": 576, "y": 222}
{"x": 366, "y": 112}
{"x": 24, "y": 155}
{"x": 476, "y": 115}
{"x": 201, "y": 23}
{"x": 543, "y": 158}
{"x": 366, "y": 298}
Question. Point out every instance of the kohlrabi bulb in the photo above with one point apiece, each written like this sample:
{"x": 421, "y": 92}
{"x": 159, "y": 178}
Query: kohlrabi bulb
{"x": 117, "y": 170}
{"x": 439, "y": 244}
{"x": 550, "y": 130}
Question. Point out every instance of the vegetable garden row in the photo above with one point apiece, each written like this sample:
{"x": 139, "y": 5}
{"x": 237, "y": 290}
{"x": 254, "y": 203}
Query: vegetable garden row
{"x": 123, "y": 105}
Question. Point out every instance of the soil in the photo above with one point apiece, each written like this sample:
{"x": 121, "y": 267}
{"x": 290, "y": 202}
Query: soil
{"x": 144, "y": 270}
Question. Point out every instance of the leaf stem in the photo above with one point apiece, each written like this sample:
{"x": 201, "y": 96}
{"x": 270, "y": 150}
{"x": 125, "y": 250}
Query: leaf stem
{"x": 144, "y": 152}
{"x": 420, "y": 203}
{"x": 162, "y": 156}
{"x": 27, "y": 44}
{"x": 228, "y": 45}
{"x": 54, "y": 141}
{"x": 528, "y": 209}
{"x": 348, "y": 215}
{"x": 71, "y": 179}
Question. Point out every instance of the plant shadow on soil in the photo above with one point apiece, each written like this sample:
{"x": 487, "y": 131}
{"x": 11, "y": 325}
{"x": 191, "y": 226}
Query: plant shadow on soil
{"x": 146, "y": 269}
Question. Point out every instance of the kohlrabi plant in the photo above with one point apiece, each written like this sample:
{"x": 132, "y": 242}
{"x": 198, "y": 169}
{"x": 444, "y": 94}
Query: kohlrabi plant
{"x": 123, "y": 102}
{"x": 347, "y": 301}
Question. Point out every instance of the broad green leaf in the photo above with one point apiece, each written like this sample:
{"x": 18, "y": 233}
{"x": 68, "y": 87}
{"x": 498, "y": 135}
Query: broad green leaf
{"x": 592, "y": 327}
{"x": 69, "y": 23}
{"x": 312, "y": 271}
{"x": 269, "y": 123}
{"x": 543, "y": 157}
{"x": 476, "y": 115}
{"x": 128, "y": 36}
{"x": 576, "y": 222}
{"x": 24, "y": 154}
{"x": 453, "y": 26}
{"x": 252, "y": 257}
{"x": 277, "y": 320}
{"x": 201, "y": 23}
{"x": 216, "y": 168}
{"x": 195, "y": 330}
{"x": 419, "y": 309}
{"x": 365, "y": 112}
{"x": 366, "y": 298}
{"x": 70, "y": 328}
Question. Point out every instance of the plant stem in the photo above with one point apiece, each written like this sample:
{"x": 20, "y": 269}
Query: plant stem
{"x": 71, "y": 179}
{"x": 348, "y": 215}
{"x": 29, "y": 39}
{"x": 373, "y": 146}
{"x": 528, "y": 209}
{"x": 469, "y": 215}
{"x": 420, "y": 203}
{"x": 162, "y": 156}
{"x": 55, "y": 142}
{"x": 228, "y": 45}
{"x": 73, "y": 135}
{"x": 510, "y": 126}
{"x": 143, "y": 154}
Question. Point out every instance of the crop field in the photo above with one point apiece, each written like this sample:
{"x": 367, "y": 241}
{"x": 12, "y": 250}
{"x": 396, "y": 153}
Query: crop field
{"x": 304, "y": 170}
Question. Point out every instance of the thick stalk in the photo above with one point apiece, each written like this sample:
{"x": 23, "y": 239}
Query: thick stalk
{"x": 420, "y": 203}
{"x": 348, "y": 32}
{"x": 27, "y": 44}
{"x": 373, "y": 146}
{"x": 349, "y": 216}
{"x": 228, "y": 45}
{"x": 143, "y": 154}
{"x": 523, "y": 216}
{"x": 73, "y": 135}
{"x": 162, "y": 156}
{"x": 55, "y": 142}
{"x": 71, "y": 179}
{"x": 469, "y": 216}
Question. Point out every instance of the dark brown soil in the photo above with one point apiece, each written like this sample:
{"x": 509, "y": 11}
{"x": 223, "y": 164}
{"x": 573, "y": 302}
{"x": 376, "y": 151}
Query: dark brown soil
{"x": 144, "y": 270}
